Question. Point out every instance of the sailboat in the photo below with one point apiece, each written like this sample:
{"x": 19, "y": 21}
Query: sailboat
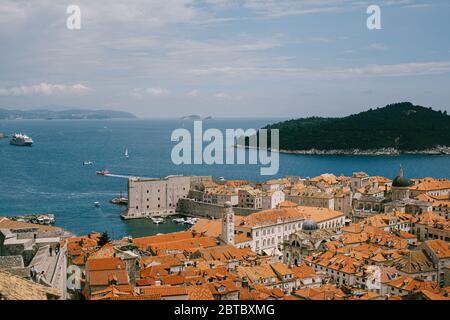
{"x": 126, "y": 153}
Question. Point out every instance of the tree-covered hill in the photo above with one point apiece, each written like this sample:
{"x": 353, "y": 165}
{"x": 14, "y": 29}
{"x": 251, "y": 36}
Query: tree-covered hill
{"x": 402, "y": 126}
{"x": 64, "y": 114}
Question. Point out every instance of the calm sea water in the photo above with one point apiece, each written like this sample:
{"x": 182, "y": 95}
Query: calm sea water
{"x": 50, "y": 176}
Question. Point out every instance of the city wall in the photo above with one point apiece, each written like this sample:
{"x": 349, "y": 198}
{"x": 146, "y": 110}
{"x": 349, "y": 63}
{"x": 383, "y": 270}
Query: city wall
{"x": 208, "y": 210}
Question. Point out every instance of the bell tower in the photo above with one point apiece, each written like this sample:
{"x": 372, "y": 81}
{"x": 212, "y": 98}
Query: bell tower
{"x": 227, "y": 234}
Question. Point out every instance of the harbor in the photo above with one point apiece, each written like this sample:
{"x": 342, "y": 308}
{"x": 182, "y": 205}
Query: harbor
{"x": 41, "y": 219}
{"x": 178, "y": 219}
{"x": 51, "y": 177}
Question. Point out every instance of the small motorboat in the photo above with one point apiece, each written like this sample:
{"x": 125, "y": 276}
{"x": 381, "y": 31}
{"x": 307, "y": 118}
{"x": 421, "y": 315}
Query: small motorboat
{"x": 126, "y": 153}
{"x": 157, "y": 220}
{"x": 178, "y": 220}
{"x": 190, "y": 221}
{"x": 87, "y": 163}
{"x": 97, "y": 204}
{"x": 102, "y": 172}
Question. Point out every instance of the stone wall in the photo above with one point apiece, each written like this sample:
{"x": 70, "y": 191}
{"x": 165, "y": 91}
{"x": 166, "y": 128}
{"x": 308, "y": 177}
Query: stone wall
{"x": 7, "y": 262}
{"x": 209, "y": 210}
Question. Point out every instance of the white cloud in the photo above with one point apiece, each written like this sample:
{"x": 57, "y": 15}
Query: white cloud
{"x": 221, "y": 95}
{"x": 193, "y": 93}
{"x": 45, "y": 89}
{"x": 156, "y": 92}
{"x": 378, "y": 46}
{"x": 373, "y": 70}
{"x": 226, "y": 96}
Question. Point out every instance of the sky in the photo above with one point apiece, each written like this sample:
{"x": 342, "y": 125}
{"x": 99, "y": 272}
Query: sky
{"x": 225, "y": 58}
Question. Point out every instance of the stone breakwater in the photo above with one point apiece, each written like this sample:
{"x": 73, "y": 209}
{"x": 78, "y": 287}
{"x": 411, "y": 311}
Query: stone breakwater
{"x": 439, "y": 150}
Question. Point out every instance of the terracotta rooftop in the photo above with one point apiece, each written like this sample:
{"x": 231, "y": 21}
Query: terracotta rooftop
{"x": 15, "y": 288}
{"x": 439, "y": 247}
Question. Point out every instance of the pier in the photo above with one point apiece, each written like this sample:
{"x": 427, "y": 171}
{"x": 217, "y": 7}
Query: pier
{"x": 37, "y": 218}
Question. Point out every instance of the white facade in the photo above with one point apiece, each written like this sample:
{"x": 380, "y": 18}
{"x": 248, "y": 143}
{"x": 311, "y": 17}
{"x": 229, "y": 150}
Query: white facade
{"x": 270, "y": 200}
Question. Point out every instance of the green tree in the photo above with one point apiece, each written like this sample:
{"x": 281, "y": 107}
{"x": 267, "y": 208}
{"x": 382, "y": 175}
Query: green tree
{"x": 104, "y": 239}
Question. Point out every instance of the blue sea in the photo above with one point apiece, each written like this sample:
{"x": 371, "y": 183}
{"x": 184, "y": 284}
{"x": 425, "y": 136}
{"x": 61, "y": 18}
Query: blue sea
{"x": 50, "y": 176}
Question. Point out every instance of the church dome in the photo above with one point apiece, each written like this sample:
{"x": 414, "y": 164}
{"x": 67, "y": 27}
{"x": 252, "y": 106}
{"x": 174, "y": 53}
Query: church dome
{"x": 400, "y": 180}
{"x": 309, "y": 225}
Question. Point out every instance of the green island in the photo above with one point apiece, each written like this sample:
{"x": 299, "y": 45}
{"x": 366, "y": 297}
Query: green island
{"x": 400, "y": 128}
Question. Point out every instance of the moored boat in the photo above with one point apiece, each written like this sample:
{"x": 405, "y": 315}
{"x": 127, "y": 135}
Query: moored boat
{"x": 157, "y": 220}
{"x": 178, "y": 220}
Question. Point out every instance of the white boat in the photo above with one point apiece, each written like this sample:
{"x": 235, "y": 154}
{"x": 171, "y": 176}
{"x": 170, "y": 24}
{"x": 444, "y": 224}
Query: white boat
{"x": 87, "y": 163}
{"x": 157, "y": 220}
{"x": 97, "y": 204}
{"x": 190, "y": 221}
{"x": 22, "y": 140}
{"x": 178, "y": 220}
{"x": 126, "y": 153}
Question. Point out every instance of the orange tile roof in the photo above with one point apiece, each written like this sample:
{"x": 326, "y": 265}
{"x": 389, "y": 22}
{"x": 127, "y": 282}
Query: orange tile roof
{"x": 154, "y": 271}
{"x": 105, "y": 277}
{"x": 6, "y": 223}
{"x": 432, "y": 295}
{"x": 189, "y": 245}
{"x": 207, "y": 227}
{"x": 326, "y": 292}
{"x": 165, "y": 291}
{"x": 428, "y": 184}
{"x": 201, "y": 292}
{"x": 440, "y": 248}
{"x": 303, "y": 271}
{"x": 107, "y": 251}
{"x": 161, "y": 238}
{"x": 222, "y": 287}
{"x": 287, "y": 204}
{"x": 406, "y": 235}
{"x": 105, "y": 264}
{"x": 271, "y": 216}
{"x": 226, "y": 253}
{"x": 168, "y": 260}
{"x": 410, "y": 284}
{"x": 112, "y": 291}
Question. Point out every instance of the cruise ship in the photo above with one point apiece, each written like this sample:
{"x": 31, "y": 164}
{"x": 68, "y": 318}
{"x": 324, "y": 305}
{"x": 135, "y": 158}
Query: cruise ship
{"x": 19, "y": 139}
